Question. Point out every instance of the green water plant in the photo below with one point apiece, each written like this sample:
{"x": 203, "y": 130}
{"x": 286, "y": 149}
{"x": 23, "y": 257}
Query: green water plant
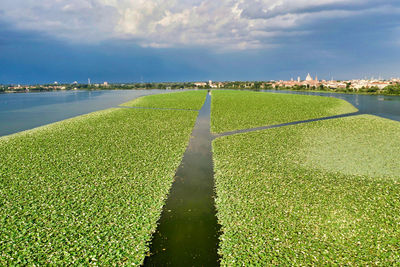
{"x": 88, "y": 190}
{"x": 235, "y": 110}
{"x": 320, "y": 193}
{"x": 192, "y": 100}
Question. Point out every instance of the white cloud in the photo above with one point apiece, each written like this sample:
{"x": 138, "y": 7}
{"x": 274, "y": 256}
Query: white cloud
{"x": 233, "y": 24}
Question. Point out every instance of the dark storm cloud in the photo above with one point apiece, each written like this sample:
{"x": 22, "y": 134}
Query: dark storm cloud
{"x": 347, "y": 39}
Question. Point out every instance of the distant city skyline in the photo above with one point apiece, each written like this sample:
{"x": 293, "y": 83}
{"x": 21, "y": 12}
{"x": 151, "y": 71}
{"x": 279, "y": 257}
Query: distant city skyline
{"x": 151, "y": 41}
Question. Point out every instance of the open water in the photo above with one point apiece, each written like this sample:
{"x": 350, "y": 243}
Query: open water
{"x": 23, "y": 111}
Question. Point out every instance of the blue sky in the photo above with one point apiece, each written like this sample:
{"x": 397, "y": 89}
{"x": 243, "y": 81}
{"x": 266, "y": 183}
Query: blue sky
{"x": 180, "y": 40}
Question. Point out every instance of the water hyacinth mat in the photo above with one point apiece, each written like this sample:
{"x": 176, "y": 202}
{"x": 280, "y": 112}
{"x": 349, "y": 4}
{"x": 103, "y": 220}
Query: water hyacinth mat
{"x": 320, "y": 193}
{"x": 88, "y": 190}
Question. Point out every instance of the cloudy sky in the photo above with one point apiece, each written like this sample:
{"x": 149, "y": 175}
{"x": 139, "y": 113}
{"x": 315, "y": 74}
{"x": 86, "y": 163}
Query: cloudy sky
{"x": 185, "y": 40}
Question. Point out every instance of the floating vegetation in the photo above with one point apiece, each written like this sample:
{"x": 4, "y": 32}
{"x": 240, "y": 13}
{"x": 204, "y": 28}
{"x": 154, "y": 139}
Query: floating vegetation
{"x": 193, "y": 100}
{"x": 236, "y": 110}
{"x": 88, "y": 190}
{"x": 284, "y": 200}
{"x": 360, "y": 148}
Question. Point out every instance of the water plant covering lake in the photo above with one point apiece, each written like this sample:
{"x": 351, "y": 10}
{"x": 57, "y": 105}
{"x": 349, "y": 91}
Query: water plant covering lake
{"x": 320, "y": 193}
{"x": 235, "y": 110}
{"x": 89, "y": 190}
{"x": 181, "y": 100}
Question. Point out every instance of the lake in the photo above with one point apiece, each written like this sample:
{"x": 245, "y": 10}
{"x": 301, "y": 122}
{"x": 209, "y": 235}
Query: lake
{"x": 23, "y": 111}
{"x": 380, "y": 105}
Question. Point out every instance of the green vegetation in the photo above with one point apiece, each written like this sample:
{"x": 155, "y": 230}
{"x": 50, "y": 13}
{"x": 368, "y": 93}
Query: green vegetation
{"x": 181, "y": 100}
{"x": 88, "y": 190}
{"x": 392, "y": 89}
{"x": 321, "y": 193}
{"x": 361, "y": 148}
{"x": 234, "y": 110}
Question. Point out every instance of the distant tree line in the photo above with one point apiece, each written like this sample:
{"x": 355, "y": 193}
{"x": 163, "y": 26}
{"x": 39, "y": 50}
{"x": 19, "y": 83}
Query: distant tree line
{"x": 393, "y": 89}
{"x": 129, "y": 86}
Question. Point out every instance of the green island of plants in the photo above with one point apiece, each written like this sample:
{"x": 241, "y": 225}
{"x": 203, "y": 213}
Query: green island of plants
{"x": 320, "y": 193}
{"x": 88, "y": 190}
{"x": 235, "y": 110}
{"x": 192, "y": 100}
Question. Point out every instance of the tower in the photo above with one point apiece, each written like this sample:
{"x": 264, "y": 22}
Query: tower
{"x": 308, "y": 78}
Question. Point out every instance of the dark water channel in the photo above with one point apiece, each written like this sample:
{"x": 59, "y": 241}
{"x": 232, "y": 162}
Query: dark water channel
{"x": 188, "y": 232}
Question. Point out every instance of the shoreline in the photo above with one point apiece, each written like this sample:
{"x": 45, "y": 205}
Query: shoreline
{"x": 116, "y": 89}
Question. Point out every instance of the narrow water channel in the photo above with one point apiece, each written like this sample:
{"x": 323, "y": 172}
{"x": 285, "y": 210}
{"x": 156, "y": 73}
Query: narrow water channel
{"x": 188, "y": 231}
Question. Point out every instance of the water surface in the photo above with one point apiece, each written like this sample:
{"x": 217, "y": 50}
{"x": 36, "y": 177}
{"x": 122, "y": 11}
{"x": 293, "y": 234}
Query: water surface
{"x": 188, "y": 231}
{"x": 380, "y": 105}
{"x": 23, "y": 111}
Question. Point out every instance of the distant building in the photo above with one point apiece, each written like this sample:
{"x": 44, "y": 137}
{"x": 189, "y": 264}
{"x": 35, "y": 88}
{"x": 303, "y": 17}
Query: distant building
{"x": 105, "y": 83}
{"x": 210, "y": 83}
{"x": 353, "y": 84}
{"x": 199, "y": 84}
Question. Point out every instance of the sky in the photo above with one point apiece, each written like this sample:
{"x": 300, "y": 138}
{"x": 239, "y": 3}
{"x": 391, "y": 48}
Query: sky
{"x": 42, "y": 41}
